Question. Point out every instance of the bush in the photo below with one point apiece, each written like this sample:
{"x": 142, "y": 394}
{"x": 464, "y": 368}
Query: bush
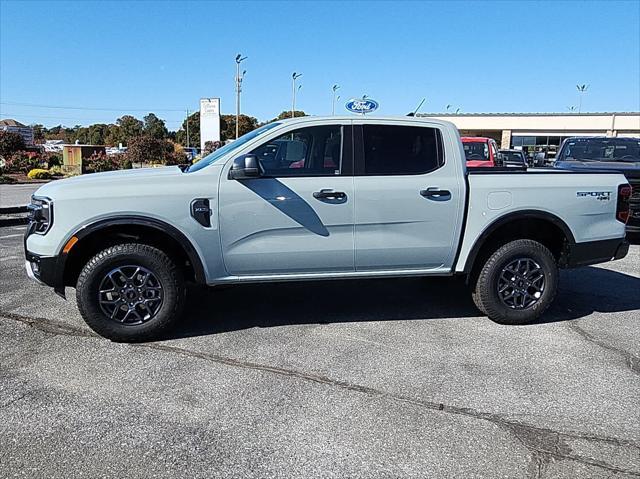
{"x": 56, "y": 171}
{"x": 101, "y": 162}
{"x": 21, "y": 162}
{"x": 52, "y": 159}
{"x": 144, "y": 149}
{"x": 39, "y": 174}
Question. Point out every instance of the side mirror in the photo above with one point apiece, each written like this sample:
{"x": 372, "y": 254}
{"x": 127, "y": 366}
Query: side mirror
{"x": 245, "y": 167}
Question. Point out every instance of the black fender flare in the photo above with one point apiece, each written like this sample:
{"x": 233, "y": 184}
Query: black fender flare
{"x": 514, "y": 216}
{"x": 162, "y": 226}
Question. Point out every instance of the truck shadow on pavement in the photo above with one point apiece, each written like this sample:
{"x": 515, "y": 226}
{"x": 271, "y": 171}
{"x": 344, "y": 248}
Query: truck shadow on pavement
{"x": 231, "y": 308}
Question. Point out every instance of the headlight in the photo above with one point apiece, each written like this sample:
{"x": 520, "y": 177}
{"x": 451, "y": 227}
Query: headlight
{"x": 40, "y": 214}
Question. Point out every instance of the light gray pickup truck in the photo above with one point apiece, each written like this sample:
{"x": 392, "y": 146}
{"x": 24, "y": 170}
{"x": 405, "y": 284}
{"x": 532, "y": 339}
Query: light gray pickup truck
{"x": 320, "y": 198}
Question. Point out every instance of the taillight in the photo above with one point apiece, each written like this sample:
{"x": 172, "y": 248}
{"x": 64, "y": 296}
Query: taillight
{"x": 622, "y": 208}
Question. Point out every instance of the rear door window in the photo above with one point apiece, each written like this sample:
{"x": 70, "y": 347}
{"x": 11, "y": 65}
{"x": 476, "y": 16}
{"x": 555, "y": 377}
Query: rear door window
{"x": 401, "y": 150}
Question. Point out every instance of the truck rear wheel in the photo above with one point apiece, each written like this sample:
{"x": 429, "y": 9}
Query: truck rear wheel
{"x": 517, "y": 283}
{"x": 130, "y": 292}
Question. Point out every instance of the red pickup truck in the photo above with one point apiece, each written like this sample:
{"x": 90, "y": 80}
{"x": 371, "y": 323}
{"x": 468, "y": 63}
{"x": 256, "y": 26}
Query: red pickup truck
{"x": 480, "y": 151}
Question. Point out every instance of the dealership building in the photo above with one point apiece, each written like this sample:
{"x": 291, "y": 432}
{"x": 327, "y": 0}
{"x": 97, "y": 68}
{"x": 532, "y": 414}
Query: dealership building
{"x": 542, "y": 131}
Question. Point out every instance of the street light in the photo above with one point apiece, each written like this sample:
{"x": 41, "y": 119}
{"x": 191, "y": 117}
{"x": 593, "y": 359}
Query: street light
{"x": 582, "y": 89}
{"x": 239, "y": 78}
{"x": 294, "y": 77}
{"x": 335, "y": 88}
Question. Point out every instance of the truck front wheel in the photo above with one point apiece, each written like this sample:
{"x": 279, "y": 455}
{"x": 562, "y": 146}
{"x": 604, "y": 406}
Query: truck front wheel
{"x": 130, "y": 292}
{"x": 517, "y": 283}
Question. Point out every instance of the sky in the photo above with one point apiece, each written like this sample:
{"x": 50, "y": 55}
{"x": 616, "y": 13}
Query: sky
{"x": 101, "y": 60}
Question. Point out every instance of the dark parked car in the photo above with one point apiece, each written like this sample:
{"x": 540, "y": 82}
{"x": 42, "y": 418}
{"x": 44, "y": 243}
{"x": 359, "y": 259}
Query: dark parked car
{"x": 613, "y": 154}
{"x": 513, "y": 158}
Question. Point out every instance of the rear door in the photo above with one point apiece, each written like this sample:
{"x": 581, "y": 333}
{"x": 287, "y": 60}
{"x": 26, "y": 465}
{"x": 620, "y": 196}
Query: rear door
{"x": 297, "y": 217}
{"x": 409, "y": 196}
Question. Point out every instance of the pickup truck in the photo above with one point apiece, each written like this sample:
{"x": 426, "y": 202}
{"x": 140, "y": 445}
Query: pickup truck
{"x": 601, "y": 153}
{"x": 343, "y": 197}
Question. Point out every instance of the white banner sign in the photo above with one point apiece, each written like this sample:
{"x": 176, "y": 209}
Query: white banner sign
{"x": 209, "y": 120}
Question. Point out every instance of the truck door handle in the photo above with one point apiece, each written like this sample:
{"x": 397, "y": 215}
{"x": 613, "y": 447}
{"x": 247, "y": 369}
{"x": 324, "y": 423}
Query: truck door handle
{"x": 329, "y": 194}
{"x": 434, "y": 192}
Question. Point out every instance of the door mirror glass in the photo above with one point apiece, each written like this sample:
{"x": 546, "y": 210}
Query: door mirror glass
{"x": 245, "y": 167}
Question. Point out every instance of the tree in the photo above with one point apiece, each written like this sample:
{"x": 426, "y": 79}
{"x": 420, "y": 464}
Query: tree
{"x": 155, "y": 127}
{"x": 287, "y": 114}
{"x": 228, "y": 126}
{"x": 194, "y": 131}
{"x": 10, "y": 142}
{"x": 130, "y": 127}
{"x": 39, "y": 132}
{"x": 145, "y": 149}
{"x": 112, "y": 135}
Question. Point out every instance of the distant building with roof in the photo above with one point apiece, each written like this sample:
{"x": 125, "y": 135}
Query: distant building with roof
{"x": 541, "y": 131}
{"x": 13, "y": 126}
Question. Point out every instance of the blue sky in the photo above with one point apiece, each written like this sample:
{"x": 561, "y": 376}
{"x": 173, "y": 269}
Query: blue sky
{"x": 135, "y": 57}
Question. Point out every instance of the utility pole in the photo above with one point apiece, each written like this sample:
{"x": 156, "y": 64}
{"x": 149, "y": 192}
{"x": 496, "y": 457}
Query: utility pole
{"x": 582, "y": 89}
{"x": 333, "y": 102}
{"x": 188, "y": 143}
{"x": 294, "y": 77}
{"x": 239, "y": 78}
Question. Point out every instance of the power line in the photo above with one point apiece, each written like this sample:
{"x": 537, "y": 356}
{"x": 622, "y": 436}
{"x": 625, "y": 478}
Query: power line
{"x": 56, "y": 117}
{"x": 13, "y": 103}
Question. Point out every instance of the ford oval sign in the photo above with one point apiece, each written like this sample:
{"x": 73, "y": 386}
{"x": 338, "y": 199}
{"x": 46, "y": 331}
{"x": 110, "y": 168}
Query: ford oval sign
{"x": 361, "y": 105}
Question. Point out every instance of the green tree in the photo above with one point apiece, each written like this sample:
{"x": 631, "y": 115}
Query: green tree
{"x": 155, "y": 127}
{"x": 146, "y": 149}
{"x": 228, "y": 126}
{"x": 112, "y": 135}
{"x": 194, "y": 131}
{"x": 10, "y": 142}
{"x": 39, "y": 132}
{"x": 97, "y": 133}
{"x": 130, "y": 127}
{"x": 285, "y": 115}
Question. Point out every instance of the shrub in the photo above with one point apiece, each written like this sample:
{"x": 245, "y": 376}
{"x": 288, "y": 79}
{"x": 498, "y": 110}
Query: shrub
{"x": 52, "y": 159}
{"x": 39, "y": 174}
{"x": 101, "y": 162}
{"x": 21, "y": 162}
{"x": 56, "y": 171}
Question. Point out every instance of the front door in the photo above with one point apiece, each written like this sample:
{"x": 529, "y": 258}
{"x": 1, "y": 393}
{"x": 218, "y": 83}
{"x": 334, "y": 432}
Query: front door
{"x": 409, "y": 199}
{"x": 298, "y": 216}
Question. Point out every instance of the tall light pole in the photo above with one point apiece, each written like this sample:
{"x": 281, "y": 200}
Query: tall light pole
{"x": 239, "y": 77}
{"x": 582, "y": 89}
{"x": 335, "y": 88}
{"x": 294, "y": 77}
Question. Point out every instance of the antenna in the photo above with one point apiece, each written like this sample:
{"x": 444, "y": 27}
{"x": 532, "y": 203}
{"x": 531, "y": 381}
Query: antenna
{"x": 413, "y": 113}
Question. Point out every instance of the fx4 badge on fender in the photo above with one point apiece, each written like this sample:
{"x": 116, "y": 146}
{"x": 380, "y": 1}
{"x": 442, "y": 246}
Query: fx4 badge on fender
{"x": 599, "y": 195}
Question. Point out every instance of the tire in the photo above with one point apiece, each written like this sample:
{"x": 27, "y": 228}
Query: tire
{"x": 149, "y": 279}
{"x": 517, "y": 283}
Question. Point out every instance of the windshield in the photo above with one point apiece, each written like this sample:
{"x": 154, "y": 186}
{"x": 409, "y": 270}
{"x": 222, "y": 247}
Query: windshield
{"x": 513, "y": 156}
{"x": 476, "y": 151}
{"x": 220, "y": 152}
{"x": 601, "y": 149}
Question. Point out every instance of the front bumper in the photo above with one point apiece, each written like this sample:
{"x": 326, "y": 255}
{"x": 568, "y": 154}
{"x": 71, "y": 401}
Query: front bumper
{"x": 45, "y": 270}
{"x": 593, "y": 252}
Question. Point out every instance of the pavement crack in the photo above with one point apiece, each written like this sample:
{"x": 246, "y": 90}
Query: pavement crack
{"x": 542, "y": 443}
{"x": 632, "y": 361}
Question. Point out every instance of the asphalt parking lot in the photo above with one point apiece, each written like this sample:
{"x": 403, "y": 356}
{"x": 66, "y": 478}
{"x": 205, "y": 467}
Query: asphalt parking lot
{"x": 376, "y": 378}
